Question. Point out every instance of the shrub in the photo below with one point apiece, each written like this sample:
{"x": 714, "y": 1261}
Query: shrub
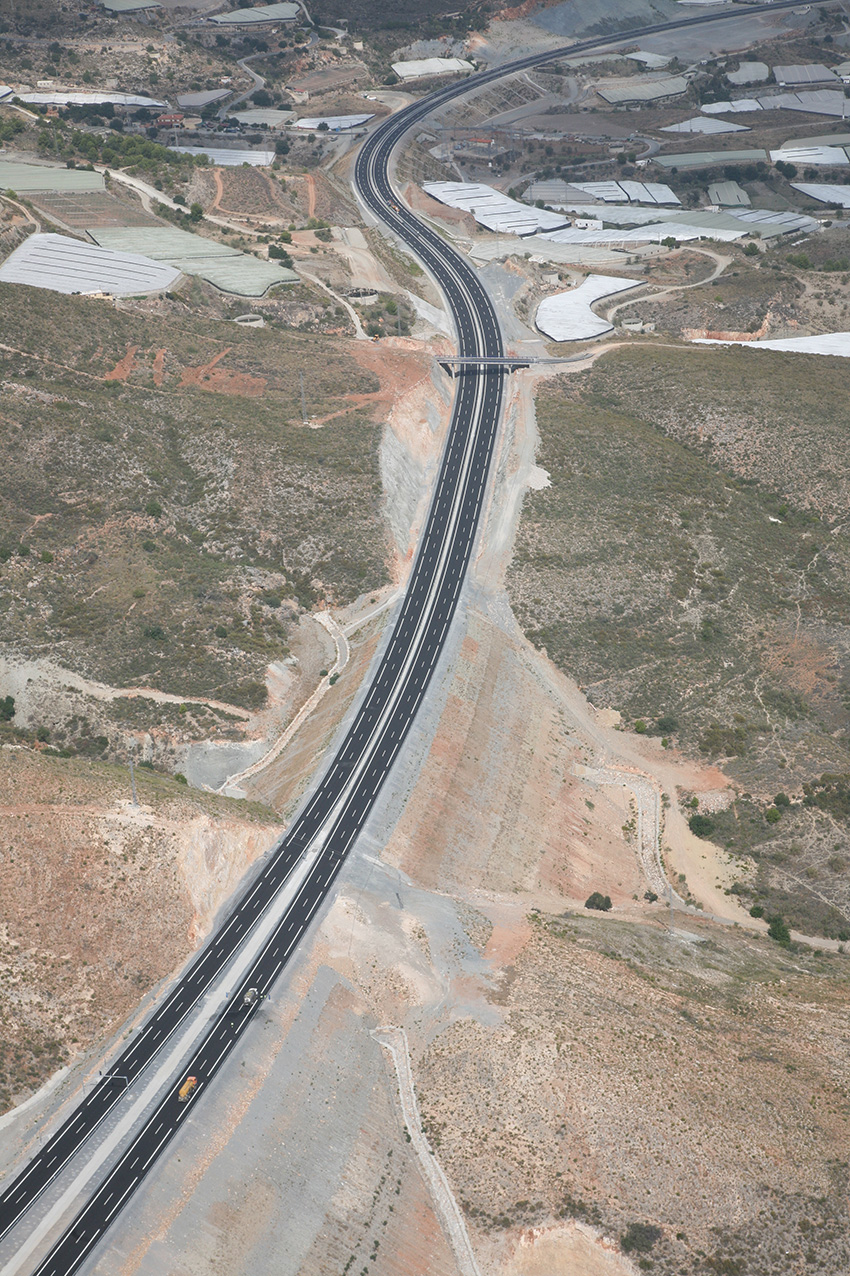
{"x": 701, "y": 825}
{"x": 598, "y": 901}
{"x": 756, "y": 911}
{"x": 153, "y": 508}
{"x": 639, "y": 1237}
{"x": 772, "y": 815}
{"x": 778, "y": 929}
{"x": 640, "y": 727}
{"x": 7, "y": 708}
{"x": 666, "y": 725}
{"x": 153, "y": 631}
{"x": 220, "y": 631}
{"x": 751, "y": 250}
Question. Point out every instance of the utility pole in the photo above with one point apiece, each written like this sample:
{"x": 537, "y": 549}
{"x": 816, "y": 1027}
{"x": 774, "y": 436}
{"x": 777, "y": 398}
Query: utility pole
{"x": 303, "y": 400}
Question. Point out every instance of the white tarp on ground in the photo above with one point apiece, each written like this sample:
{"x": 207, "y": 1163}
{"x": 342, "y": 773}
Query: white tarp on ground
{"x": 829, "y": 155}
{"x": 335, "y": 123}
{"x": 492, "y": 209}
{"x": 824, "y": 192}
{"x": 229, "y": 159}
{"x": 69, "y": 265}
{"x": 835, "y": 343}
{"x": 703, "y": 124}
{"x": 89, "y": 99}
{"x": 431, "y": 66}
{"x": 568, "y": 317}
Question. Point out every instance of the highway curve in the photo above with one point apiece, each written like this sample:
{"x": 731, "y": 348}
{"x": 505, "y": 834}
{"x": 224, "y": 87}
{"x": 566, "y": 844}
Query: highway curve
{"x": 313, "y": 849}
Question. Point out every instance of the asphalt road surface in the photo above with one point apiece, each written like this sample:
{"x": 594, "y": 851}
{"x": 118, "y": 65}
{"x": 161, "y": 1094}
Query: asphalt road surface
{"x": 331, "y": 820}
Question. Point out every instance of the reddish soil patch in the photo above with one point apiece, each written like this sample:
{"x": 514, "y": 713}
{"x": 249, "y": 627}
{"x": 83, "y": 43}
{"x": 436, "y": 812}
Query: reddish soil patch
{"x": 210, "y": 377}
{"x": 398, "y": 371}
{"x": 124, "y": 366}
{"x": 158, "y": 367}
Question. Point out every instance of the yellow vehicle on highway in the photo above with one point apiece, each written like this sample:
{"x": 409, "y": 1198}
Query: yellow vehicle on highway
{"x": 186, "y": 1089}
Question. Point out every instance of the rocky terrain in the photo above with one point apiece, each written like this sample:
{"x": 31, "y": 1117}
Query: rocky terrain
{"x": 101, "y": 898}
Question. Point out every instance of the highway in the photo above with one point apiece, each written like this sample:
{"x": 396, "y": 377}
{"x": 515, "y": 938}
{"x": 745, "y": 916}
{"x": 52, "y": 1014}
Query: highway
{"x": 315, "y": 846}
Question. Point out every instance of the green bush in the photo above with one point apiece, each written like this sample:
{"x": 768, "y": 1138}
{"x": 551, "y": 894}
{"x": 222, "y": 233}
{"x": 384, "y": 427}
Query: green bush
{"x": 701, "y": 825}
{"x": 598, "y": 901}
{"x": 7, "y": 708}
{"x": 639, "y": 1238}
{"x": 756, "y": 911}
{"x": 778, "y": 929}
{"x": 153, "y": 508}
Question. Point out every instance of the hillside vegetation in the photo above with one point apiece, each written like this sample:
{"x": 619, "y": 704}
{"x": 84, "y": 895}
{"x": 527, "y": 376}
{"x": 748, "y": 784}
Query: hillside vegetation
{"x": 688, "y": 566}
{"x": 165, "y": 513}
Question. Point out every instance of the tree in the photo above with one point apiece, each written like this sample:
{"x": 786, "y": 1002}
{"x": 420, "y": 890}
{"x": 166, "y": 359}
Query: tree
{"x": 751, "y": 250}
{"x": 7, "y": 708}
{"x": 196, "y": 213}
{"x": 701, "y": 825}
{"x": 598, "y": 901}
{"x": 778, "y": 930}
{"x": 262, "y": 97}
{"x": 640, "y": 1237}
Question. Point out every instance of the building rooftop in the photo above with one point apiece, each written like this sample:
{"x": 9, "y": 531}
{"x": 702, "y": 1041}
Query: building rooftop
{"x": 704, "y": 124}
{"x": 335, "y": 123}
{"x": 203, "y": 98}
{"x": 492, "y": 209}
{"x": 642, "y": 88}
{"x": 749, "y": 73}
{"x": 256, "y": 115}
{"x": 259, "y": 13}
{"x": 728, "y": 195}
{"x": 568, "y": 317}
{"x": 226, "y": 268}
{"x": 413, "y": 70}
{"x": 824, "y": 192}
{"x": 67, "y": 265}
{"x": 130, "y": 6}
{"x": 704, "y": 159}
{"x": 225, "y": 158}
{"x": 15, "y": 176}
{"x": 59, "y": 97}
{"x": 804, "y": 73}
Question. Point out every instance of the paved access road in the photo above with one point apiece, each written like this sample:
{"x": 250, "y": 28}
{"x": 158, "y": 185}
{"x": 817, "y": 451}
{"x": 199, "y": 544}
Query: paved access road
{"x": 315, "y": 846}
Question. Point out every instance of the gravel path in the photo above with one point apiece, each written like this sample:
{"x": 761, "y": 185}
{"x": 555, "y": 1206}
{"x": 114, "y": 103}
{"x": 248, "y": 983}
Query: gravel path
{"x": 394, "y": 1041}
